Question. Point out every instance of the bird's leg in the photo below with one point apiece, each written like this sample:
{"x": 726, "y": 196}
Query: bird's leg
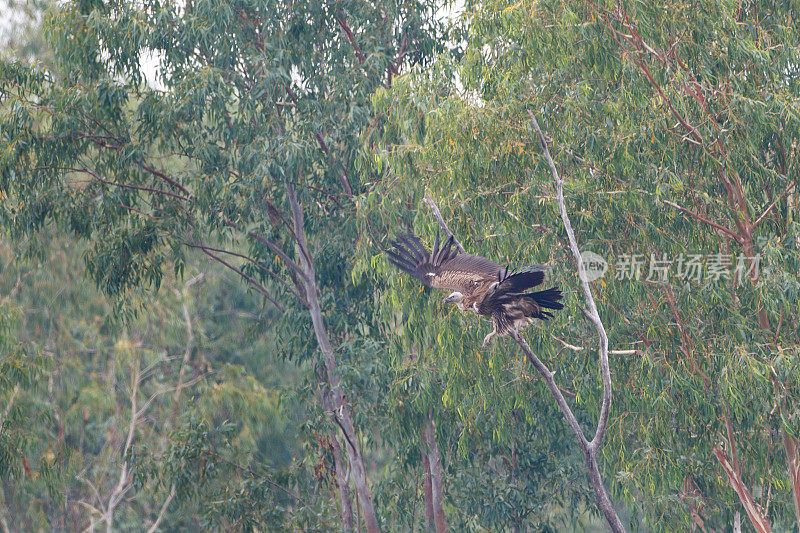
{"x": 488, "y": 337}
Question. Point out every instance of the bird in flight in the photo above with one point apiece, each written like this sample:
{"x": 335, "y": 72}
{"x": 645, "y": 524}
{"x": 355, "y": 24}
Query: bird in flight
{"x": 478, "y": 284}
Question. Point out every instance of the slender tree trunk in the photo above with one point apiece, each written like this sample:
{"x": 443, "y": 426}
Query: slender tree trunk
{"x": 190, "y": 339}
{"x": 754, "y": 512}
{"x": 427, "y": 487}
{"x": 600, "y": 492}
{"x": 343, "y": 481}
{"x": 791, "y": 446}
{"x": 125, "y": 476}
{"x": 339, "y": 463}
{"x": 342, "y": 414}
{"x": 435, "y": 466}
{"x": 590, "y": 449}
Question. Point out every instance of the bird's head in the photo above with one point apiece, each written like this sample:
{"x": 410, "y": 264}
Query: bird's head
{"x": 454, "y": 298}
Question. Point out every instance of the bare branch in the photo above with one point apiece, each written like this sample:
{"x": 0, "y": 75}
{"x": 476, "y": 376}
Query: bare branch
{"x": 256, "y": 475}
{"x": 592, "y": 313}
{"x": 554, "y": 390}
{"x": 167, "y": 179}
{"x": 189, "y": 334}
{"x": 256, "y": 285}
{"x": 91, "y": 508}
{"x": 754, "y": 512}
{"x": 605, "y": 372}
{"x": 280, "y": 253}
{"x": 261, "y": 267}
{"x": 124, "y": 482}
{"x": 96, "y": 493}
{"x": 442, "y": 224}
{"x": 786, "y": 191}
{"x": 348, "y": 33}
{"x": 701, "y": 218}
{"x": 99, "y": 179}
{"x": 163, "y": 511}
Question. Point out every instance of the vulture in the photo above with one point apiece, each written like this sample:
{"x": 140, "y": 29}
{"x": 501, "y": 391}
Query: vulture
{"x": 478, "y": 284}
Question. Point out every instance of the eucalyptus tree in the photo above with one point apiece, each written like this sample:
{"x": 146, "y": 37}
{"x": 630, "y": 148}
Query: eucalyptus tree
{"x": 676, "y": 129}
{"x": 74, "y": 376}
{"x": 20, "y": 372}
{"x": 246, "y": 153}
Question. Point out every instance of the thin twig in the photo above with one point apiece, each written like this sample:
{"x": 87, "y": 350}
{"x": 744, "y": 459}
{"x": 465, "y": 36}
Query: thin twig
{"x": 261, "y": 267}
{"x": 124, "y": 482}
{"x": 768, "y": 209}
{"x": 256, "y": 285}
{"x": 280, "y": 253}
{"x": 438, "y": 216}
{"x": 262, "y": 477}
{"x": 701, "y": 218}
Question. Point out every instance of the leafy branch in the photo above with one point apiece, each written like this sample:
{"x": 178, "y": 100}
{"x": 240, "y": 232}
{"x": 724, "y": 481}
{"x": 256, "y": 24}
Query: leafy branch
{"x": 589, "y": 448}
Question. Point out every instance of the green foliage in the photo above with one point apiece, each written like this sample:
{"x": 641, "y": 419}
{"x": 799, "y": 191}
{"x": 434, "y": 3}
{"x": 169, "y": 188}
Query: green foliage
{"x": 648, "y": 105}
{"x": 614, "y": 138}
{"x": 19, "y": 375}
{"x": 249, "y": 96}
{"x": 69, "y": 411}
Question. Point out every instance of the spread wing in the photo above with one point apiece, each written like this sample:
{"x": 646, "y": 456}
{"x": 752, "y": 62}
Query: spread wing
{"x": 444, "y": 267}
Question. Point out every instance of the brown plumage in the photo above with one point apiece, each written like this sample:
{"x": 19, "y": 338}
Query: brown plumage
{"x": 479, "y": 284}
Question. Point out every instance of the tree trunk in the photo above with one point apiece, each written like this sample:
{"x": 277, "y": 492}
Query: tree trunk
{"x": 339, "y": 465}
{"x": 341, "y": 408}
{"x": 590, "y": 449}
{"x": 343, "y": 482}
{"x": 791, "y": 446}
{"x": 435, "y": 465}
{"x": 427, "y": 487}
{"x": 600, "y": 492}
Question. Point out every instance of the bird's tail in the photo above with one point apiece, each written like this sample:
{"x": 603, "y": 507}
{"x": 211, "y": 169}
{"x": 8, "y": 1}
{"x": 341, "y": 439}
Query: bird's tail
{"x": 547, "y": 299}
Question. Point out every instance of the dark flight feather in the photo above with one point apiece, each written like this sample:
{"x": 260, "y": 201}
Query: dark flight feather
{"x": 522, "y": 279}
{"x": 444, "y": 267}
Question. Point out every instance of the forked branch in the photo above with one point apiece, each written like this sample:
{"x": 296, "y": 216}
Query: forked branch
{"x": 605, "y": 372}
{"x": 589, "y": 448}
